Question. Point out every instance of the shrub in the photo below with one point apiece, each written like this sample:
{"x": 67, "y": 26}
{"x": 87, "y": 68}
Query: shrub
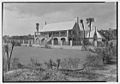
{"x": 58, "y": 61}
{"x": 84, "y": 48}
{"x": 50, "y": 64}
{"x": 70, "y": 63}
{"x": 47, "y": 46}
{"x": 23, "y": 75}
{"x": 4, "y": 64}
{"x": 94, "y": 60}
{"x": 86, "y": 42}
{"x": 34, "y": 63}
{"x": 15, "y": 64}
{"x": 107, "y": 53}
{"x": 18, "y": 44}
{"x": 54, "y": 75}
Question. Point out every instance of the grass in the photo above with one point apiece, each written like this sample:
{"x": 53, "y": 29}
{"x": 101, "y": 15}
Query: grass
{"x": 43, "y": 54}
{"x": 72, "y": 59}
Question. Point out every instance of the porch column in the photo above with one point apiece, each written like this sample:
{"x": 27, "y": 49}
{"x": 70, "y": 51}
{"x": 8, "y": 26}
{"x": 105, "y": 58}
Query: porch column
{"x": 67, "y": 37}
{"x": 95, "y": 43}
{"x": 67, "y": 33}
{"x": 59, "y": 34}
{"x": 71, "y": 42}
{"x": 61, "y": 43}
{"x": 28, "y": 42}
{"x": 52, "y": 42}
{"x": 23, "y": 42}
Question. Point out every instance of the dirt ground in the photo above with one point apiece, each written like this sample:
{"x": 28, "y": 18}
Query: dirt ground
{"x": 106, "y": 74}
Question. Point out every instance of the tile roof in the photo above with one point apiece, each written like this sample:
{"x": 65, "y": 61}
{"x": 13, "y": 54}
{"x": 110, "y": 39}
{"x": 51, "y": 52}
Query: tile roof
{"x": 58, "y": 26}
{"x": 92, "y": 34}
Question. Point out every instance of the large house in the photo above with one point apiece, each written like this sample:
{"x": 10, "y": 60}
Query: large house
{"x": 63, "y": 33}
{"x": 95, "y": 38}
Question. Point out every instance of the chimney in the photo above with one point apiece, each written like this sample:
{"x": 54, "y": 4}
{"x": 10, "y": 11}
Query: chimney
{"x": 95, "y": 29}
{"x": 37, "y": 27}
{"x": 45, "y": 23}
{"x": 78, "y": 21}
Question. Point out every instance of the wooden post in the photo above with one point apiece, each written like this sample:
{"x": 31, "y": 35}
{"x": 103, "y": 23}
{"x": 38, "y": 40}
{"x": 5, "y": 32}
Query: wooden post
{"x": 22, "y": 41}
{"x": 95, "y": 43}
{"x": 52, "y": 42}
{"x": 67, "y": 37}
{"x": 70, "y": 42}
{"x": 61, "y": 42}
{"x": 67, "y": 33}
{"x": 59, "y": 34}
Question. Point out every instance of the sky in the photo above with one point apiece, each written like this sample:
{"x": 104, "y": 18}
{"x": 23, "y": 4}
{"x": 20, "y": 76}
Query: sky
{"x": 21, "y": 18}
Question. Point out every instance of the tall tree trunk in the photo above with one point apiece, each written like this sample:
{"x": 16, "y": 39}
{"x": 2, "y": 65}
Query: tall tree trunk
{"x": 84, "y": 34}
{"x": 11, "y": 52}
{"x": 90, "y": 29}
{"x": 58, "y": 63}
{"x": 9, "y": 59}
{"x": 7, "y": 52}
{"x": 8, "y": 64}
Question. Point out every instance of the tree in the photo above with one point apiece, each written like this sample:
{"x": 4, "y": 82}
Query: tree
{"x": 89, "y": 22}
{"x": 81, "y": 21}
{"x": 58, "y": 63}
{"x": 9, "y": 54}
{"x": 49, "y": 64}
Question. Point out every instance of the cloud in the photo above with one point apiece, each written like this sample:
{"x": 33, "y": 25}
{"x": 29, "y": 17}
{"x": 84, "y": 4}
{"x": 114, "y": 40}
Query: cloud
{"x": 59, "y": 16}
{"x": 20, "y": 18}
{"x": 15, "y": 23}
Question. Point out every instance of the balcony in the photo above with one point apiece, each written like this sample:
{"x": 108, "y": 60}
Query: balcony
{"x": 63, "y": 33}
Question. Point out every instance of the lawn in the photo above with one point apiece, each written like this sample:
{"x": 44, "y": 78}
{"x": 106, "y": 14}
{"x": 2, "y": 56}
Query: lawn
{"x": 103, "y": 73}
{"x": 43, "y": 54}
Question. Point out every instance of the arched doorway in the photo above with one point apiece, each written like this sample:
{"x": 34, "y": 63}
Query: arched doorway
{"x": 37, "y": 41}
{"x": 55, "y": 41}
{"x": 43, "y": 41}
{"x": 70, "y": 41}
{"x": 63, "y": 41}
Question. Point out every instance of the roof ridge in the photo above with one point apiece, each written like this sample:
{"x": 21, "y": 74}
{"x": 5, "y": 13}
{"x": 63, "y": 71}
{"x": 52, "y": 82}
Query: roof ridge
{"x": 61, "y": 22}
{"x": 66, "y": 25}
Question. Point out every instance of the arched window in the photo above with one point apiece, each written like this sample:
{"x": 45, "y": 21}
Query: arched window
{"x": 55, "y": 41}
{"x": 63, "y": 41}
{"x": 37, "y": 41}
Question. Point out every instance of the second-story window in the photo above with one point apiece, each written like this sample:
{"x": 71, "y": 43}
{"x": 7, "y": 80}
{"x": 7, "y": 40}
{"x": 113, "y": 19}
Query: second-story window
{"x": 56, "y": 34}
{"x": 63, "y": 33}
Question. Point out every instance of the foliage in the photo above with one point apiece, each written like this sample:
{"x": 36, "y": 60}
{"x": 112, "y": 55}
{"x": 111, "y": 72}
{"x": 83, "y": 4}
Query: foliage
{"x": 34, "y": 75}
{"x": 35, "y": 64}
{"x": 89, "y": 22}
{"x": 58, "y": 63}
{"x": 15, "y": 64}
{"x": 47, "y": 46}
{"x": 94, "y": 60}
{"x": 54, "y": 75}
{"x": 108, "y": 53}
{"x": 4, "y": 64}
{"x": 86, "y": 42}
{"x": 9, "y": 51}
{"x": 109, "y": 34}
{"x": 50, "y": 64}
{"x": 18, "y": 44}
{"x": 70, "y": 63}
{"x": 23, "y": 75}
